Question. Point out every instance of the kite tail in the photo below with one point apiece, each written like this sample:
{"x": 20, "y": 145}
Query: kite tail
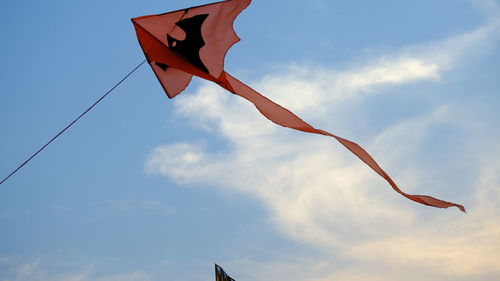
{"x": 284, "y": 117}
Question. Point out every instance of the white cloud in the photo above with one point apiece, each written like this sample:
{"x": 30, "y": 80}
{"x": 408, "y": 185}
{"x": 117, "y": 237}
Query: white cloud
{"x": 320, "y": 195}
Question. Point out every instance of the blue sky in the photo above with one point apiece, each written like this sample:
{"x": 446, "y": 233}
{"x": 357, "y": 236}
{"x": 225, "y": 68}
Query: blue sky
{"x": 145, "y": 188}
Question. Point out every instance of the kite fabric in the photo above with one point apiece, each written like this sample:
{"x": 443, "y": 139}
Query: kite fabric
{"x": 221, "y": 275}
{"x": 194, "y": 41}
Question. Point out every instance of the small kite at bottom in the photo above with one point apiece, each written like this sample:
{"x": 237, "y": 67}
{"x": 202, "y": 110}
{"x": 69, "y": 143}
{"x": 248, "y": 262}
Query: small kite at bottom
{"x": 194, "y": 41}
{"x": 221, "y": 275}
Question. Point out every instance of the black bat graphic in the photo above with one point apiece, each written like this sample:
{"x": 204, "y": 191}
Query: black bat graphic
{"x": 191, "y": 45}
{"x": 162, "y": 66}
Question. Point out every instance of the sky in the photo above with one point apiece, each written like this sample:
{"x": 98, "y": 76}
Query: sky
{"x": 145, "y": 188}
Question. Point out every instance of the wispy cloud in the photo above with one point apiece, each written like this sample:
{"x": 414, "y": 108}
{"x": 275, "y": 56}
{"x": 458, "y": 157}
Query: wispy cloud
{"x": 316, "y": 193}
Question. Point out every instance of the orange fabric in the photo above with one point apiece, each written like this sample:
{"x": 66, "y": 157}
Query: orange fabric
{"x": 217, "y": 32}
{"x": 286, "y": 118}
{"x": 194, "y": 41}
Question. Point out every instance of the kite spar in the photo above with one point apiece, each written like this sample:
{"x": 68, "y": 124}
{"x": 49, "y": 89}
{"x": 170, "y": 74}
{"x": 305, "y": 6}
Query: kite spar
{"x": 194, "y": 41}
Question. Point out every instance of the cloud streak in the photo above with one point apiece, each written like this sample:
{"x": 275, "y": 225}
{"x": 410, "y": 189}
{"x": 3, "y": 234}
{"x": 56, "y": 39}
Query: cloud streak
{"x": 318, "y": 194}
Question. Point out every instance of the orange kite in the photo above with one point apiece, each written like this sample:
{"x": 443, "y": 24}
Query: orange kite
{"x": 194, "y": 41}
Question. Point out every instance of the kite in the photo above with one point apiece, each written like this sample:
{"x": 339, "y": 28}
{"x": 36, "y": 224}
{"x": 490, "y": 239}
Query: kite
{"x": 221, "y": 275}
{"x": 194, "y": 41}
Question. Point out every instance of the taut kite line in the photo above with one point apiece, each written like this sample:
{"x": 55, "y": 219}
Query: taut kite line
{"x": 194, "y": 41}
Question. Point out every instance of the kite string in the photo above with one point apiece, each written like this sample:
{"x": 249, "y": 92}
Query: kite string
{"x": 73, "y": 122}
